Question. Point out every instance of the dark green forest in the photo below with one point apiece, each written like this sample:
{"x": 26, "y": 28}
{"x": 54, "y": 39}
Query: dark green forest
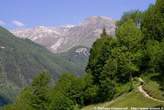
{"x": 136, "y": 50}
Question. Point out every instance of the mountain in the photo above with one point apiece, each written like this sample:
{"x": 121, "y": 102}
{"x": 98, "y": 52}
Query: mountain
{"x": 62, "y": 38}
{"x": 78, "y": 55}
{"x": 21, "y": 60}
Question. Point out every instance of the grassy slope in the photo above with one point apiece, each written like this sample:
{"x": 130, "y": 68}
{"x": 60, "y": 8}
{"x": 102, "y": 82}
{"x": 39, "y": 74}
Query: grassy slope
{"x": 135, "y": 98}
{"x": 132, "y": 99}
{"x": 153, "y": 87}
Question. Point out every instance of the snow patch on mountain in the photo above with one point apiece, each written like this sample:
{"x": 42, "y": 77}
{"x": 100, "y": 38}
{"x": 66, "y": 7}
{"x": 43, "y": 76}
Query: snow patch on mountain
{"x": 2, "y": 47}
{"x": 57, "y": 44}
{"x": 68, "y": 26}
{"x": 83, "y": 51}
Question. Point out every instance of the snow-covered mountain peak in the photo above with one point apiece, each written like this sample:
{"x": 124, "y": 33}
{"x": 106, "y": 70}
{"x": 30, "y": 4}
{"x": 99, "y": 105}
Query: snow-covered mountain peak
{"x": 63, "y": 38}
{"x": 69, "y": 26}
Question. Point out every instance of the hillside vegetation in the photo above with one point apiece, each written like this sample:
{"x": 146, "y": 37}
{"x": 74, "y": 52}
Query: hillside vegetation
{"x": 119, "y": 73}
{"x": 21, "y": 60}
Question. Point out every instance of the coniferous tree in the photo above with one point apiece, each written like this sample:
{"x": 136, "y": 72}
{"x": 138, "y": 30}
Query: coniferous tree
{"x": 39, "y": 92}
{"x": 96, "y": 61}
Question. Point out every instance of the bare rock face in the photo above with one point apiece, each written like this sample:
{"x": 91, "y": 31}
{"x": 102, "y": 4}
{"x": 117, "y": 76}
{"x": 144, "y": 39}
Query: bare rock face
{"x": 63, "y": 38}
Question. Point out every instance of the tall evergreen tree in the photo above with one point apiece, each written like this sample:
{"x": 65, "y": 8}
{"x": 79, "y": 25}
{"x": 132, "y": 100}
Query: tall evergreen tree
{"x": 96, "y": 63}
{"x": 39, "y": 92}
{"x": 94, "y": 66}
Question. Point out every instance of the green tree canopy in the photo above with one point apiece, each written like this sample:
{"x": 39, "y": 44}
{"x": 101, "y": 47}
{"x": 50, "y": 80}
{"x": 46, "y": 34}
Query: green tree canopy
{"x": 153, "y": 21}
{"x": 135, "y": 15}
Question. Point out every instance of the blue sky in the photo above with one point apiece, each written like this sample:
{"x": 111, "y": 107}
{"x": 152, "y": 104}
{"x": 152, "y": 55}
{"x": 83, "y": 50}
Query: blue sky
{"x": 30, "y": 13}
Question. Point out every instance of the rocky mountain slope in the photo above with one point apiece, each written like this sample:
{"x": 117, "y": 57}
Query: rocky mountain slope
{"x": 21, "y": 59}
{"x": 77, "y": 55}
{"x": 62, "y": 38}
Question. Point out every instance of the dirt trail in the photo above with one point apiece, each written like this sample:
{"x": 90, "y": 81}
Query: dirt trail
{"x": 140, "y": 88}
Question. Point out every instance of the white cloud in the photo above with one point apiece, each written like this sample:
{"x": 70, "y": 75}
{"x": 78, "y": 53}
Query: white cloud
{"x": 17, "y": 23}
{"x": 2, "y": 22}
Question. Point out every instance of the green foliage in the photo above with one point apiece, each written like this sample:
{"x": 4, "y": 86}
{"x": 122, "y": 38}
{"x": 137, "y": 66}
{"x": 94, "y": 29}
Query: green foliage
{"x": 161, "y": 61}
{"x": 100, "y": 53}
{"x": 40, "y": 86}
{"x": 61, "y": 102}
{"x": 79, "y": 90}
{"x": 152, "y": 27}
{"x": 115, "y": 61}
{"x": 70, "y": 86}
{"x": 99, "y": 56}
{"x": 120, "y": 58}
{"x": 129, "y": 53}
{"x": 129, "y": 35}
{"x": 135, "y": 15}
{"x": 130, "y": 40}
{"x": 35, "y": 96}
{"x": 23, "y": 100}
{"x": 90, "y": 90}
{"x": 153, "y": 51}
{"x": 153, "y": 21}
{"x": 106, "y": 90}
{"x": 94, "y": 53}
